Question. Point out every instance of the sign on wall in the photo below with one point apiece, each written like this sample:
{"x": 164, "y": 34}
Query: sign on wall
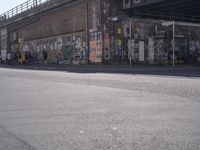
{"x": 3, "y": 32}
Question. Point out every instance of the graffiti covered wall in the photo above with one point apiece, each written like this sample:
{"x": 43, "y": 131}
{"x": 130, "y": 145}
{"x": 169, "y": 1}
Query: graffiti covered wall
{"x": 3, "y": 43}
{"x": 63, "y": 49}
{"x": 113, "y": 36}
{"x": 95, "y": 32}
{"x": 157, "y": 46}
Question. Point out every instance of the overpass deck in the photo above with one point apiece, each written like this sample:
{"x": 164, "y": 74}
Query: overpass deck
{"x": 181, "y": 10}
{"x": 29, "y": 8}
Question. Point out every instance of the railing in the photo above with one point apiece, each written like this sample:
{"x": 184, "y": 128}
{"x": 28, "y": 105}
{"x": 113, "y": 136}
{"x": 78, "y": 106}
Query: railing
{"x": 30, "y": 4}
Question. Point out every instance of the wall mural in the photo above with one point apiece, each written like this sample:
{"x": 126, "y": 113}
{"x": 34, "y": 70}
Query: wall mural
{"x": 194, "y": 50}
{"x": 96, "y": 52}
{"x": 64, "y": 49}
{"x": 160, "y": 53}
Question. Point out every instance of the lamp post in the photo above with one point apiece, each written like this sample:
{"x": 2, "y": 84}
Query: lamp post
{"x": 130, "y": 50}
{"x": 88, "y": 32}
{"x": 174, "y": 43}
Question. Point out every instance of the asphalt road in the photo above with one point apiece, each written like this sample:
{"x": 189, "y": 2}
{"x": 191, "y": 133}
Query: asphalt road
{"x": 58, "y": 110}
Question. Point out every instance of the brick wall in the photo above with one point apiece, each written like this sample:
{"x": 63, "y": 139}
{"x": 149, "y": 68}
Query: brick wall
{"x": 65, "y": 19}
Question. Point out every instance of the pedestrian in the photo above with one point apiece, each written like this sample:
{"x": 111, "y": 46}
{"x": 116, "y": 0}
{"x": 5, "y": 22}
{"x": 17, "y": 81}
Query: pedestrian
{"x": 22, "y": 57}
{"x": 45, "y": 56}
{"x": 18, "y": 57}
{"x": 0, "y": 58}
{"x": 9, "y": 58}
{"x": 26, "y": 57}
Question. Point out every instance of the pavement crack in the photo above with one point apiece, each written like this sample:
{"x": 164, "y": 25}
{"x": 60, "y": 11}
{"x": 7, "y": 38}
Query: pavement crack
{"x": 10, "y": 141}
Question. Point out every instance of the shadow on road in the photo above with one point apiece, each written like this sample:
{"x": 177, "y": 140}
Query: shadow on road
{"x": 164, "y": 72}
{"x": 182, "y": 71}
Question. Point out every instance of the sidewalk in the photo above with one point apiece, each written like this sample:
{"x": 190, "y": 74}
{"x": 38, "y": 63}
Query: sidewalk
{"x": 63, "y": 67}
{"x": 180, "y": 70}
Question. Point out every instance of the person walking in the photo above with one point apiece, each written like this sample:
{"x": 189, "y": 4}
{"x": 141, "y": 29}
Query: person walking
{"x": 0, "y": 58}
{"x": 22, "y": 58}
{"x": 45, "y": 56}
{"x": 9, "y": 58}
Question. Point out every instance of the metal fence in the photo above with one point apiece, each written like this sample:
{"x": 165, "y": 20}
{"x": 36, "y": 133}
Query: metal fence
{"x": 30, "y": 4}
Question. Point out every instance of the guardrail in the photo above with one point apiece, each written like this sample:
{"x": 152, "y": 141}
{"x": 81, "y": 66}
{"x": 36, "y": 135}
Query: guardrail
{"x": 30, "y": 4}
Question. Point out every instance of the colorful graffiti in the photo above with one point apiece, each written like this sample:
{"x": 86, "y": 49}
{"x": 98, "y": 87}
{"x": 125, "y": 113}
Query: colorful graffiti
{"x": 194, "y": 53}
{"x": 95, "y": 15}
{"x": 136, "y": 45}
{"x": 160, "y": 53}
{"x": 105, "y": 15}
{"x": 79, "y": 48}
{"x": 96, "y": 52}
{"x": 64, "y": 49}
{"x": 194, "y": 47}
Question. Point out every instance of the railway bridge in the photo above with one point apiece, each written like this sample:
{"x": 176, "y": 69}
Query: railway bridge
{"x": 103, "y": 31}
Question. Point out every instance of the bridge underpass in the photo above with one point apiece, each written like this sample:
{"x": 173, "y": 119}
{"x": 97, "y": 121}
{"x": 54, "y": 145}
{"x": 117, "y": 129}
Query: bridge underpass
{"x": 184, "y": 10}
{"x": 104, "y": 39}
{"x": 172, "y": 16}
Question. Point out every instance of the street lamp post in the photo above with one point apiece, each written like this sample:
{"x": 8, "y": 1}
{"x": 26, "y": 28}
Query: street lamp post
{"x": 174, "y": 43}
{"x": 130, "y": 50}
{"x": 88, "y": 32}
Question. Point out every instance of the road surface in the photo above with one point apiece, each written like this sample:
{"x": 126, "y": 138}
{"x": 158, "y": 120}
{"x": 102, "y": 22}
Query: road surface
{"x": 60, "y": 110}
